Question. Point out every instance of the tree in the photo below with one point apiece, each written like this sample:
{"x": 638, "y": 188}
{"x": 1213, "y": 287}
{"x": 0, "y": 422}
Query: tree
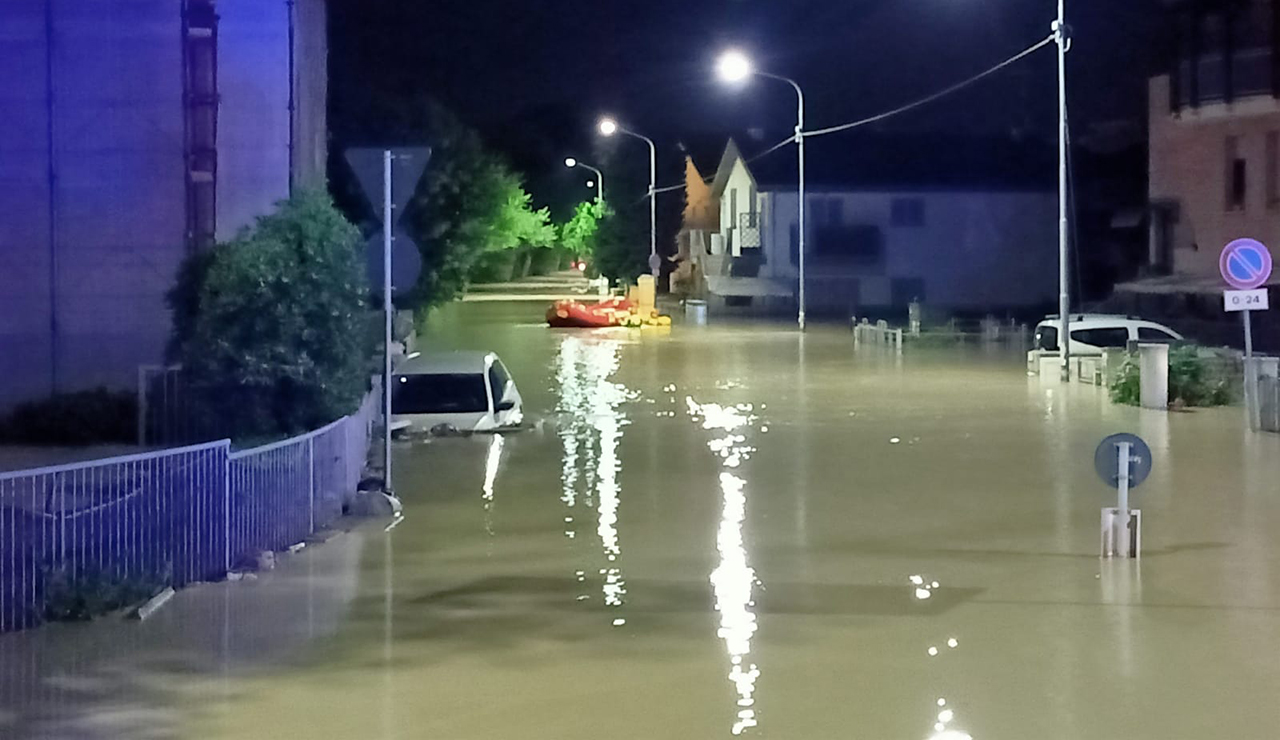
{"x": 622, "y": 244}
{"x": 270, "y": 327}
{"x": 519, "y": 225}
{"x": 579, "y": 233}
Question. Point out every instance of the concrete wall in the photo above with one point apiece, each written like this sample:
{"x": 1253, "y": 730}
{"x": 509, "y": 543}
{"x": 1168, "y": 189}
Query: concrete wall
{"x": 92, "y": 216}
{"x": 93, "y": 207}
{"x": 311, "y": 88}
{"x": 974, "y": 250}
{"x": 1189, "y": 166}
{"x": 253, "y": 110}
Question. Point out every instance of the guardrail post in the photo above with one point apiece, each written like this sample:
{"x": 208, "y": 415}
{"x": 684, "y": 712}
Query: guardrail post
{"x": 311, "y": 480}
{"x": 226, "y": 509}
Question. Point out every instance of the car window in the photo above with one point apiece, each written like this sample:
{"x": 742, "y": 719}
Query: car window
{"x": 497, "y": 382}
{"x": 1152, "y": 334}
{"x": 1047, "y": 337}
{"x": 1111, "y": 337}
{"x": 439, "y": 394}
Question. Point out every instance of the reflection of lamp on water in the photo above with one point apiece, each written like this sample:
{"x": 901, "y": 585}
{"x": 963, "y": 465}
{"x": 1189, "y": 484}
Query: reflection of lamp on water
{"x": 734, "y": 579}
{"x": 590, "y": 413}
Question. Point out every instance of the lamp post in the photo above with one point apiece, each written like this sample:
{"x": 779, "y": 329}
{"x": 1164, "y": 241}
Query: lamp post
{"x": 599, "y": 184}
{"x": 735, "y": 67}
{"x": 1064, "y": 289}
{"x": 609, "y": 127}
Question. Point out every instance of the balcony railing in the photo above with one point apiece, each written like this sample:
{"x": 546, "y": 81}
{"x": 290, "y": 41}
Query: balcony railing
{"x": 1251, "y": 74}
{"x": 749, "y": 230}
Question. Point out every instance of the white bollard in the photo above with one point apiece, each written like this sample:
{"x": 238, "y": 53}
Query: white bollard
{"x": 1154, "y": 365}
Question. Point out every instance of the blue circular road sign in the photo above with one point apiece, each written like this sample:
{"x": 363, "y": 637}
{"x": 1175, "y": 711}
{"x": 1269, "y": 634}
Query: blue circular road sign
{"x": 1245, "y": 264}
{"x": 1106, "y": 460}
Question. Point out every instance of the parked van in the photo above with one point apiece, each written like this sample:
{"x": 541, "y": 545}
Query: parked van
{"x": 1091, "y": 333}
{"x": 469, "y": 391}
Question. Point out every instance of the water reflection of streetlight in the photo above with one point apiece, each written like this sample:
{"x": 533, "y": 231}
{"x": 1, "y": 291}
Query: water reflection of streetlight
{"x": 590, "y": 410}
{"x": 733, "y": 580}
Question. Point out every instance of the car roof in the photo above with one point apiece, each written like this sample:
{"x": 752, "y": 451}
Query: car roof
{"x": 445, "y": 363}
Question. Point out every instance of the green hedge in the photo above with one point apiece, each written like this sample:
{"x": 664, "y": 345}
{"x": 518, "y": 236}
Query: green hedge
{"x": 1193, "y": 380}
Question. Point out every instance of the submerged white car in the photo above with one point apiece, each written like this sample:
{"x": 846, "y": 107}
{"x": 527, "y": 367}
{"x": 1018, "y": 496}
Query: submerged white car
{"x": 1092, "y": 333}
{"x": 468, "y": 391}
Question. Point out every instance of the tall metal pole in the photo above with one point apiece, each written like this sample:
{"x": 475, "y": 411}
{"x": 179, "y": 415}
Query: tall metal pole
{"x": 599, "y": 180}
{"x": 802, "y": 206}
{"x": 1064, "y": 291}
{"x": 655, "y": 265}
{"x": 387, "y": 209}
{"x": 800, "y": 147}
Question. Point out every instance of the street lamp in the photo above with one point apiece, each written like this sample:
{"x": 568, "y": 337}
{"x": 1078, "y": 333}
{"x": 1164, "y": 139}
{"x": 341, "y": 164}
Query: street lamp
{"x": 609, "y": 127}
{"x": 598, "y": 184}
{"x": 734, "y": 67}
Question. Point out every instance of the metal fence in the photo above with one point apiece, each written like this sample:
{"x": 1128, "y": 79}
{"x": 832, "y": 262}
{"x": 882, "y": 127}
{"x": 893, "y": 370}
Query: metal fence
{"x": 174, "y": 516}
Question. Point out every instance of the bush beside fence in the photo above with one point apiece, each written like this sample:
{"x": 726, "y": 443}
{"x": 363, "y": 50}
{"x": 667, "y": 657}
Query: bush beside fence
{"x": 173, "y": 516}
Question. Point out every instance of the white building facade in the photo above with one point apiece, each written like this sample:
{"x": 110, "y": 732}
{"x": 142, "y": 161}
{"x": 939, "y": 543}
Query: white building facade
{"x": 880, "y": 247}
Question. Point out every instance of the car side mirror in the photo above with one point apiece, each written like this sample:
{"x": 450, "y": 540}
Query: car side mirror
{"x": 505, "y": 405}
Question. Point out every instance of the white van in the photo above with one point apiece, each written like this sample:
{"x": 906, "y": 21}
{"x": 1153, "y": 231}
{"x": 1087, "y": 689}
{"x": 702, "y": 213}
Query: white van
{"x": 469, "y": 391}
{"x": 1093, "y": 332}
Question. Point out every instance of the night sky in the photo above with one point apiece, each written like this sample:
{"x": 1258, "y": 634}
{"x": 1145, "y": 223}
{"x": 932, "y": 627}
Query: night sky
{"x": 533, "y": 77}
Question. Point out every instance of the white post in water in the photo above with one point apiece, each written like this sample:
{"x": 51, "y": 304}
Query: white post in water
{"x": 387, "y": 208}
{"x": 1122, "y": 502}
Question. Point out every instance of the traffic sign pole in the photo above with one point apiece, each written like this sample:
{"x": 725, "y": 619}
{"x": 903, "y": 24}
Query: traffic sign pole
{"x": 387, "y": 225}
{"x": 1246, "y": 266}
{"x": 1122, "y": 498}
{"x": 1122, "y": 461}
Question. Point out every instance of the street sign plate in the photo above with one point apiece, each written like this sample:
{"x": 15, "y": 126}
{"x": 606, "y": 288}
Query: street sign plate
{"x": 406, "y": 262}
{"x": 1245, "y": 300}
{"x": 1245, "y": 264}
{"x": 1107, "y": 462}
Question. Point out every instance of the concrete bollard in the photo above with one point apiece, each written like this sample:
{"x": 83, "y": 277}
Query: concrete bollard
{"x": 1154, "y": 365}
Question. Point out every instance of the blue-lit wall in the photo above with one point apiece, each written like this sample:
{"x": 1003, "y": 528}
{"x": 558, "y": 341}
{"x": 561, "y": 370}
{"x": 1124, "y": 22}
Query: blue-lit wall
{"x": 93, "y": 208}
{"x": 92, "y": 205}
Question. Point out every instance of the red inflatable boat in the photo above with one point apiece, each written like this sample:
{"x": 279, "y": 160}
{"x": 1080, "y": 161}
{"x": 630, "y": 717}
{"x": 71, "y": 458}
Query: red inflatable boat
{"x": 576, "y": 315}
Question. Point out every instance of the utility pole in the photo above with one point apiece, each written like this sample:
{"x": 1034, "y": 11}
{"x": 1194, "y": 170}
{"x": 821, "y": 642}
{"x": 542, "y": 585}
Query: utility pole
{"x": 1064, "y": 290}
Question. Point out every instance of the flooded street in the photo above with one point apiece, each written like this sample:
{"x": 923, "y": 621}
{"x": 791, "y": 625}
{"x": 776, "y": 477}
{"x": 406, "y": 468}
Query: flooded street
{"x": 730, "y": 530}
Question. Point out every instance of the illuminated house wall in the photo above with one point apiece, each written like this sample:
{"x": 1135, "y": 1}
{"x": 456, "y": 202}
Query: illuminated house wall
{"x": 110, "y": 173}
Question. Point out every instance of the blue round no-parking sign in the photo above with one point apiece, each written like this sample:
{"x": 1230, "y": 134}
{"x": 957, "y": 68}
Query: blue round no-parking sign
{"x": 1245, "y": 264}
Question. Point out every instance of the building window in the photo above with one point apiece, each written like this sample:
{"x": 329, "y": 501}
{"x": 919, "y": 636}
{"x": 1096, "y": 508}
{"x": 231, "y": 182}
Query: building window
{"x": 906, "y": 212}
{"x": 1273, "y": 169}
{"x": 835, "y": 212}
{"x": 733, "y": 207}
{"x": 818, "y": 211}
{"x": 1236, "y": 175}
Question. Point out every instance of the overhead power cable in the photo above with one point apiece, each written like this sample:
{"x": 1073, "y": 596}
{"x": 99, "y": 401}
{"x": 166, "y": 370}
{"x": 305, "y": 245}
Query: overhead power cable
{"x": 935, "y": 96}
{"x": 893, "y": 112}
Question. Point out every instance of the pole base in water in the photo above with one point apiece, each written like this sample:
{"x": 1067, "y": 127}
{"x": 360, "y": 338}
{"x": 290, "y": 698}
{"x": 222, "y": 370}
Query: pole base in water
{"x": 1113, "y": 534}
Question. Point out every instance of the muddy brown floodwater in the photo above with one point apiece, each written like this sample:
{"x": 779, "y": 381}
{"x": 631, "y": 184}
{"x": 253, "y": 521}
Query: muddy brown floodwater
{"x": 731, "y": 530}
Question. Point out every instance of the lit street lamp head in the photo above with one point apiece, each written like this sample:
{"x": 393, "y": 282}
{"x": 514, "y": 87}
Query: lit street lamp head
{"x": 608, "y": 126}
{"x": 734, "y": 66}
{"x": 570, "y": 162}
{"x": 591, "y": 183}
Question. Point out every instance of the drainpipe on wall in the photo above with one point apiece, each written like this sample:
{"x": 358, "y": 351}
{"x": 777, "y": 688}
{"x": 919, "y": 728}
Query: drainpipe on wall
{"x": 291, "y": 9}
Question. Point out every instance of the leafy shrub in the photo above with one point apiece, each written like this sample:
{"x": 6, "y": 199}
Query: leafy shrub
{"x": 270, "y": 326}
{"x": 1192, "y": 380}
{"x": 90, "y": 593}
{"x": 86, "y": 417}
